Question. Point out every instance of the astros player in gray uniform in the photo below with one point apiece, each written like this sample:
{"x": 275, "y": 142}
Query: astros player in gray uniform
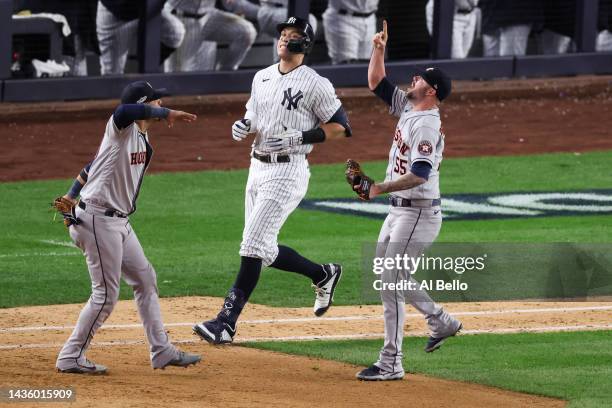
{"x": 414, "y": 218}
{"x": 206, "y": 25}
{"x": 103, "y": 231}
{"x": 291, "y": 108}
{"x": 349, "y": 25}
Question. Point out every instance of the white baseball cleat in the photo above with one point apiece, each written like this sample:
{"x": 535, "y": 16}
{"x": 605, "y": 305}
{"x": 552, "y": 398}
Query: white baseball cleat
{"x": 325, "y": 289}
{"x": 89, "y": 367}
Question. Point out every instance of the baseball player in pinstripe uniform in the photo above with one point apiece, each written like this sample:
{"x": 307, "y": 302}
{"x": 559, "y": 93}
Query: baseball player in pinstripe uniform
{"x": 117, "y": 26}
{"x": 102, "y": 230}
{"x": 349, "y": 25}
{"x": 206, "y": 25}
{"x": 414, "y": 218}
{"x": 291, "y": 108}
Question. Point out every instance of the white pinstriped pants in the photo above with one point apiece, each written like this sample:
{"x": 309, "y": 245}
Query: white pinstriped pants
{"x": 273, "y": 191}
{"x": 348, "y": 37}
{"x": 408, "y": 231}
{"x": 199, "y": 49}
{"x": 116, "y": 36}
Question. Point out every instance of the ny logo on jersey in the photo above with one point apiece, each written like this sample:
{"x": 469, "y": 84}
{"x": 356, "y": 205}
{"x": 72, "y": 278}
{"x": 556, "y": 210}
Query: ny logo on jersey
{"x": 292, "y": 100}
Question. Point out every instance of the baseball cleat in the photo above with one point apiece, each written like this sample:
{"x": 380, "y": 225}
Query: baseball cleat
{"x": 434, "y": 343}
{"x": 88, "y": 368}
{"x": 215, "y": 331}
{"x": 325, "y": 289}
{"x": 183, "y": 359}
{"x": 375, "y": 373}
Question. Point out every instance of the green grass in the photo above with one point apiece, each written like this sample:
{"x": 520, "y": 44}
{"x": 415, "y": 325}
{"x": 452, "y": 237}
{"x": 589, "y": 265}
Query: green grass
{"x": 190, "y": 225}
{"x": 574, "y": 366}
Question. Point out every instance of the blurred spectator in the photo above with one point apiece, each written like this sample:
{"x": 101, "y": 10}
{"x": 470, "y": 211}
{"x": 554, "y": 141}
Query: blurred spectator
{"x": 506, "y": 25}
{"x": 206, "y": 26}
{"x": 559, "y": 26}
{"x": 465, "y": 22}
{"x": 273, "y": 12}
{"x": 604, "y": 39}
{"x": 117, "y": 28}
{"x": 81, "y": 17}
{"x": 349, "y": 27}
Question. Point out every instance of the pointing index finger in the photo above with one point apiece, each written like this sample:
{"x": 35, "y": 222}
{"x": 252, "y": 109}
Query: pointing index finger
{"x": 385, "y": 28}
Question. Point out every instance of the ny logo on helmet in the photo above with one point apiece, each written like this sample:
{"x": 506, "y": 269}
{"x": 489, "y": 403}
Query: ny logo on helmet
{"x": 292, "y": 100}
{"x": 291, "y": 20}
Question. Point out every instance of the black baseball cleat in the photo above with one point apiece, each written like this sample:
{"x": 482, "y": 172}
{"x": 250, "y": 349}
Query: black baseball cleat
{"x": 215, "y": 331}
{"x": 183, "y": 359}
{"x": 434, "y": 343}
{"x": 375, "y": 373}
{"x": 325, "y": 289}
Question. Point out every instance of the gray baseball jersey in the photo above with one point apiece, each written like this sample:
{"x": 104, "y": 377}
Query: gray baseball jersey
{"x": 417, "y": 138}
{"x": 297, "y": 100}
{"x": 117, "y": 171}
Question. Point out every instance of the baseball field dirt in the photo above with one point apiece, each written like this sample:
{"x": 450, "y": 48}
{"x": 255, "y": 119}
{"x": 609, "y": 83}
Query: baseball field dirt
{"x": 247, "y": 377}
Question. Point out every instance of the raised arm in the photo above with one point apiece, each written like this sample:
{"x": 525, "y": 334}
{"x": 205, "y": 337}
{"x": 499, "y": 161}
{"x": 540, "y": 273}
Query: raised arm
{"x": 376, "y": 70}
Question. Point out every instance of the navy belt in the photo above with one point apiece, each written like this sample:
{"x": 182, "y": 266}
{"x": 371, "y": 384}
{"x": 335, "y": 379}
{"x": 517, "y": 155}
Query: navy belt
{"x": 355, "y": 13}
{"x": 186, "y": 14}
{"x": 418, "y": 203}
{"x": 266, "y": 158}
{"x": 108, "y": 212}
{"x": 272, "y": 4}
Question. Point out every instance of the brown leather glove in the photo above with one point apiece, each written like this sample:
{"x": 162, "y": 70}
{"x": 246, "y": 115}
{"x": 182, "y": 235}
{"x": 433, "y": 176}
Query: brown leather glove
{"x": 65, "y": 206}
{"x": 358, "y": 180}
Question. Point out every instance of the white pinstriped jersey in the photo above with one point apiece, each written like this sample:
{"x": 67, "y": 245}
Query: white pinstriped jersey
{"x": 299, "y": 99}
{"x": 418, "y": 137}
{"x": 117, "y": 171}
{"x": 359, "y": 6}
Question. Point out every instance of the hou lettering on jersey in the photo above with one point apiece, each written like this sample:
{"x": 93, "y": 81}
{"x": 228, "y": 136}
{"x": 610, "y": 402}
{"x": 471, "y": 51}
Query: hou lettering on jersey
{"x": 138, "y": 158}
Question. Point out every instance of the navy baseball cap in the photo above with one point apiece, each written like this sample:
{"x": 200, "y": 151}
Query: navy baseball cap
{"x": 438, "y": 80}
{"x": 141, "y": 92}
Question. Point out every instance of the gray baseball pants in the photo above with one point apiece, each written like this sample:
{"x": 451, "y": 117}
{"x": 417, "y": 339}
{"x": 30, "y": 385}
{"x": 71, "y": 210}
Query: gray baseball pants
{"x": 112, "y": 249}
{"x": 408, "y": 230}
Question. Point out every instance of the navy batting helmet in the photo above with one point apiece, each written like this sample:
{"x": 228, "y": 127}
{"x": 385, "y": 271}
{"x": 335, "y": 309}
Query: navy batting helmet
{"x": 304, "y": 44}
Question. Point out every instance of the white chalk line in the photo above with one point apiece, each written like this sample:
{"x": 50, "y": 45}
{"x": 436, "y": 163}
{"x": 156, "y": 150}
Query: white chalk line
{"x": 52, "y": 253}
{"x": 509, "y": 330}
{"x": 322, "y": 319}
{"x": 58, "y": 243}
{"x": 32, "y": 254}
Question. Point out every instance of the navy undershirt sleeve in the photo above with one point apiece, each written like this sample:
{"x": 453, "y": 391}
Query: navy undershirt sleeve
{"x": 421, "y": 169}
{"x": 125, "y": 114}
{"x": 341, "y": 118}
{"x": 384, "y": 90}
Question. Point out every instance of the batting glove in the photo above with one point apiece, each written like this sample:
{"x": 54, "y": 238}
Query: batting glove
{"x": 285, "y": 140}
{"x": 241, "y": 129}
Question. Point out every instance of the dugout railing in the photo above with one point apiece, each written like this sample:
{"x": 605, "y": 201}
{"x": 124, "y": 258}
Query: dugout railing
{"x": 583, "y": 62}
